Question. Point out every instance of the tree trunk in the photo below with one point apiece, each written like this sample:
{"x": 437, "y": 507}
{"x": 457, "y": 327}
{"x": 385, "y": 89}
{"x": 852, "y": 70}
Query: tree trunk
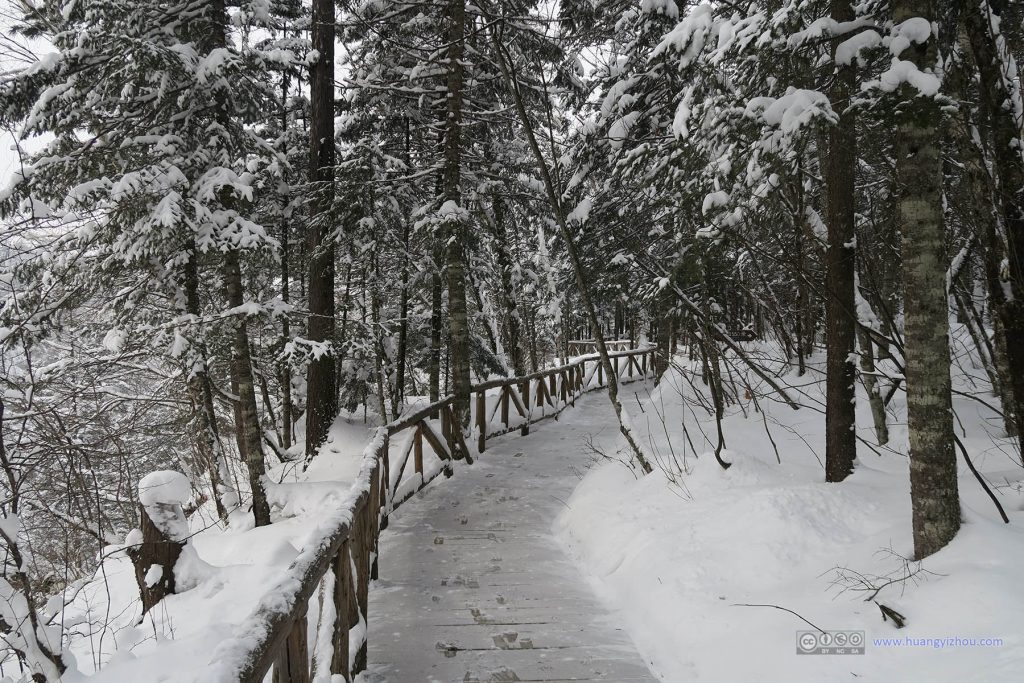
{"x": 1002, "y": 104}
{"x": 156, "y": 549}
{"x": 403, "y": 304}
{"x": 436, "y": 325}
{"x": 664, "y": 308}
{"x": 458, "y": 320}
{"x": 840, "y": 311}
{"x": 321, "y": 380}
{"x": 241, "y": 370}
{"x": 510, "y": 316}
{"x": 1011, "y": 422}
{"x": 867, "y": 376}
{"x": 933, "y": 481}
{"x": 285, "y": 370}
{"x": 801, "y": 296}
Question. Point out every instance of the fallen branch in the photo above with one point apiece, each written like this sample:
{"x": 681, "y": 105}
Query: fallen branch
{"x": 784, "y": 609}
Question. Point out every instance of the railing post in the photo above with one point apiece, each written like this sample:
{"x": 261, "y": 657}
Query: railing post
{"x": 417, "y": 448}
{"x": 524, "y": 393}
{"x": 446, "y": 430}
{"x": 504, "y": 405}
{"x": 374, "y": 521}
{"x": 385, "y": 477}
{"x": 564, "y": 376}
{"x": 552, "y": 390}
{"x": 481, "y": 419}
{"x": 360, "y": 544}
{"x": 292, "y": 665}
{"x": 342, "y": 619}
{"x": 600, "y": 373}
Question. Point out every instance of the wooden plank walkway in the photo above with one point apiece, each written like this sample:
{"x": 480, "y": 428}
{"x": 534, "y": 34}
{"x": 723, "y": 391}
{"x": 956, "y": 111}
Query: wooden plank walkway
{"x": 474, "y": 587}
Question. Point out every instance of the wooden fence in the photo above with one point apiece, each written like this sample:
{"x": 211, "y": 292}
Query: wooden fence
{"x": 578, "y": 347}
{"x": 344, "y": 556}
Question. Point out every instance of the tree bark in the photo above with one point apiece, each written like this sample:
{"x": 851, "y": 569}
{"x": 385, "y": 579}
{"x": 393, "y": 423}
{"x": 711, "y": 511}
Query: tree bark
{"x": 867, "y": 376}
{"x": 1009, "y": 164}
{"x": 321, "y": 379}
{"x": 458, "y": 320}
{"x": 436, "y": 325}
{"x": 156, "y": 548}
{"x": 840, "y": 311}
{"x": 933, "y": 481}
{"x": 285, "y": 371}
{"x": 403, "y": 304}
{"x": 241, "y": 370}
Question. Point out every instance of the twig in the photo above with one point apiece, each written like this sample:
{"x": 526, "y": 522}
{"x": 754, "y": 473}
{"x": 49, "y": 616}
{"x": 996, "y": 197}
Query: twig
{"x": 784, "y": 609}
{"x": 984, "y": 484}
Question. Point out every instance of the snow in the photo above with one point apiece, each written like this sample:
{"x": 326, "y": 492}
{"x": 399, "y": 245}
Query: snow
{"x": 680, "y": 553}
{"x": 581, "y": 214}
{"x": 714, "y": 200}
{"x": 114, "y": 340}
{"x": 164, "y": 487}
{"x": 914, "y": 30}
{"x": 902, "y": 72}
{"x": 689, "y": 36}
{"x": 154, "y": 574}
{"x": 619, "y": 131}
{"x": 227, "y": 578}
{"x": 667, "y": 8}
{"x": 791, "y": 112}
{"x": 10, "y": 525}
{"x": 849, "y": 50}
{"x": 684, "y": 110}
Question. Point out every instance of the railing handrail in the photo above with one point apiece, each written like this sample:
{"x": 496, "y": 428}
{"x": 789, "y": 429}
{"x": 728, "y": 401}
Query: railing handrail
{"x": 275, "y": 633}
{"x": 508, "y": 381}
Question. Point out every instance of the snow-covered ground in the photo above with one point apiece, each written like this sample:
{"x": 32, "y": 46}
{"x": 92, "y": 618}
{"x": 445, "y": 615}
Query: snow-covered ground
{"x": 227, "y": 572}
{"x": 683, "y": 555}
{"x": 694, "y": 558}
{"x": 222, "y": 576}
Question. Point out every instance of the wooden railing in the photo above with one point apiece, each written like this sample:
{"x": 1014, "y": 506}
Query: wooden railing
{"x": 343, "y": 555}
{"x": 578, "y": 347}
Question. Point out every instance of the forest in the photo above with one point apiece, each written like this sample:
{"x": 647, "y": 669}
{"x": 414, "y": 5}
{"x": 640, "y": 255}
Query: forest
{"x": 238, "y": 236}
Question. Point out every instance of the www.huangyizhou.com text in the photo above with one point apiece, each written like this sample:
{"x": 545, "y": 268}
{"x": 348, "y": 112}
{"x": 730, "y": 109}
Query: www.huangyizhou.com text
{"x": 937, "y": 643}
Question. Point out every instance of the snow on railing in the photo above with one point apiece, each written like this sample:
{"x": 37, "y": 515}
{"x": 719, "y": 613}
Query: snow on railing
{"x": 343, "y": 553}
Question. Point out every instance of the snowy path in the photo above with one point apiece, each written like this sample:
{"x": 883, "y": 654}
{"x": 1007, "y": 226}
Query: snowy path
{"x": 473, "y": 585}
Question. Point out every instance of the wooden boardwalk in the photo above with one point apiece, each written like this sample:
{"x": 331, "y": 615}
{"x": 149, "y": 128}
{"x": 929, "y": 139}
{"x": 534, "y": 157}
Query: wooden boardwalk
{"x": 474, "y": 587}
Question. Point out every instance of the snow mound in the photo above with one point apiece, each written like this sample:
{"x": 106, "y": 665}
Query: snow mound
{"x": 164, "y": 487}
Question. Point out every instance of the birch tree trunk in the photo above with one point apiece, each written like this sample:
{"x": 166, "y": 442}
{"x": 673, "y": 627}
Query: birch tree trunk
{"x": 933, "y": 482}
{"x": 867, "y": 375}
